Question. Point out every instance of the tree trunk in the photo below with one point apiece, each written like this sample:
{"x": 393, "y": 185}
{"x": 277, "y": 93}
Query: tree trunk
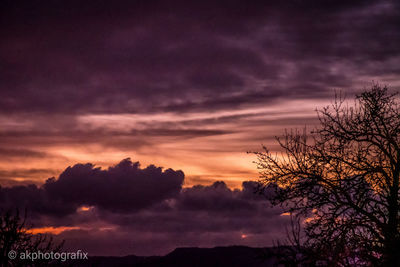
{"x": 391, "y": 250}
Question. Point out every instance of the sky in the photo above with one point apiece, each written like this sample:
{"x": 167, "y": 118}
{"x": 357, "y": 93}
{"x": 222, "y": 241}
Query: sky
{"x": 124, "y": 125}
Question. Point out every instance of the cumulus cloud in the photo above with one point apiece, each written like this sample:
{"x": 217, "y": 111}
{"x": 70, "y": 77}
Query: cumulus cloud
{"x": 124, "y": 187}
{"x": 148, "y": 206}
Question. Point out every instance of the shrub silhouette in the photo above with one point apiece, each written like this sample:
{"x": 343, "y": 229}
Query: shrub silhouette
{"x": 15, "y": 236}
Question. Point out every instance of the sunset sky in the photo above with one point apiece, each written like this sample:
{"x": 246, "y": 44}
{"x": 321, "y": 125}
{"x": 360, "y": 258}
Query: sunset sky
{"x": 189, "y": 86}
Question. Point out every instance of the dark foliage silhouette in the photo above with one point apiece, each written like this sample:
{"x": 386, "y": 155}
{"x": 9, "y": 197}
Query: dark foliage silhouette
{"x": 15, "y": 235}
{"x": 342, "y": 181}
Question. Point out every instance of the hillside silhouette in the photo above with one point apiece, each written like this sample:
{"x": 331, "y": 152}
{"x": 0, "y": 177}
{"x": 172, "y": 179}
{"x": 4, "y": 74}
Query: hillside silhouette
{"x": 231, "y": 256}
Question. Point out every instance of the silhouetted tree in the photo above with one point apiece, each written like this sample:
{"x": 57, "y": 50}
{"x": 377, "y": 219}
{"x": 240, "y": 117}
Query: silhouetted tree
{"x": 342, "y": 179}
{"x": 15, "y": 236}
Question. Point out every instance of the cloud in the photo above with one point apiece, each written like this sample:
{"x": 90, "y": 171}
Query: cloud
{"x": 150, "y": 57}
{"x": 124, "y": 187}
{"x": 200, "y": 216}
{"x": 22, "y": 153}
{"x": 33, "y": 199}
{"x": 147, "y": 206}
{"x": 217, "y": 198}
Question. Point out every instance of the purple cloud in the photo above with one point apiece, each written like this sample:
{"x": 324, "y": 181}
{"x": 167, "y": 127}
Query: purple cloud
{"x": 147, "y": 205}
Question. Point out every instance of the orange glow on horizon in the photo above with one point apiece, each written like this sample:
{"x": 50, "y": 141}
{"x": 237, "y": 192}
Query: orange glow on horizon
{"x": 51, "y": 230}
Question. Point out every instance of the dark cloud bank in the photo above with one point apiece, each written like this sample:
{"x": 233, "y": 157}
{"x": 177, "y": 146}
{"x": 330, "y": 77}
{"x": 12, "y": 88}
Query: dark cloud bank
{"x": 145, "y": 210}
{"x": 70, "y": 57}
